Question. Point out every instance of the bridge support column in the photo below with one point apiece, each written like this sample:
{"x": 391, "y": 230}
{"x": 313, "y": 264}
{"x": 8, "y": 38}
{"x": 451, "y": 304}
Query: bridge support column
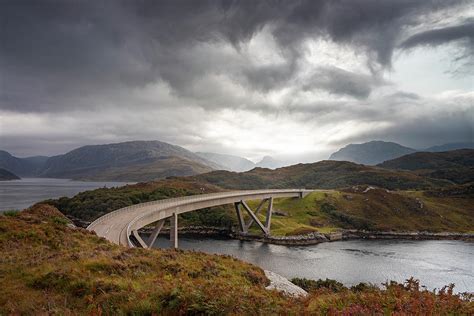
{"x": 268, "y": 219}
{"x": 254, "y": 217}
{"x": 174, "y": 230}
{"x": 240, "y": 218}
{"x": 140, "y": 241}
{"x": 155, "y": 233}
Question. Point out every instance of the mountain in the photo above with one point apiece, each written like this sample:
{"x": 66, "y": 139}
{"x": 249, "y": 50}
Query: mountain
{"x": 228, "y": 162}
{"x": 371, "y": 153}
{"x": 327, "y": 174}
{"x": 7, "y": 175}
{"x": 131, "y": 161}
{"x": 451, "y": 146}
{"x": 456, "y": 165}
{"x": 25, "y": 167}
{"x": 269, "y": 162}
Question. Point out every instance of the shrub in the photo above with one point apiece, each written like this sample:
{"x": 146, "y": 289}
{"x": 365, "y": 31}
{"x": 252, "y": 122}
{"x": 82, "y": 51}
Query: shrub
{"x": 313, "y": 285}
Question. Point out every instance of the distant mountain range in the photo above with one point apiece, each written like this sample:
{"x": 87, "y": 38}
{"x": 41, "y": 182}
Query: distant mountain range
{"x": 228, "y": 162}
{"x": 240, "y": 164}
{"x": 375, "y": 152}
{"x": 23, "y": 167}
{"x": 152, "y": 160}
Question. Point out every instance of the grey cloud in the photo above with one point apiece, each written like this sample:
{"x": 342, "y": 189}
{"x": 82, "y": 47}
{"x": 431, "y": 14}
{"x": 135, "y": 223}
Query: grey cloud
{"x": 340, "y": 81}
{"x": 441, "y": 36}
{"x": 59, "y": 54}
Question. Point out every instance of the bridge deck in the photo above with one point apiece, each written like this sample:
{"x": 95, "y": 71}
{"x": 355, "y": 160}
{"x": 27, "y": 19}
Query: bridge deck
{"x": 118, "y": 225}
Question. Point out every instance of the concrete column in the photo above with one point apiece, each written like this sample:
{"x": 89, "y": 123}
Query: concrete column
{"x": 155, "y": 233}
{"x": 268, "y": 220}
{"x": 254, "y": 217}
{"x": 174, "y": 230}
{"x": 240, "y": 218}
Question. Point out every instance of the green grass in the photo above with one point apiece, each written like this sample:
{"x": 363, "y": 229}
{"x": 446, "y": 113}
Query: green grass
{"x": 376, "y": 210}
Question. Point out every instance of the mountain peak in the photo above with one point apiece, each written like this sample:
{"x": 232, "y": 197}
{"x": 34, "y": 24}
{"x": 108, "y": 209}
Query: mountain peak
{"x": 372, "y": 152}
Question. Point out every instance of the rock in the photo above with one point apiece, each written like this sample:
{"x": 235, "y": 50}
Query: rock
{"x": 279, "y": 213}
{"x": 282, "y": 284}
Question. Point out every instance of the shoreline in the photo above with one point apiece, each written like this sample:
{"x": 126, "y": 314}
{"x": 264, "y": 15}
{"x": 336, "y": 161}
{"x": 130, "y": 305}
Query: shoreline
{"x": 315, "y": 237}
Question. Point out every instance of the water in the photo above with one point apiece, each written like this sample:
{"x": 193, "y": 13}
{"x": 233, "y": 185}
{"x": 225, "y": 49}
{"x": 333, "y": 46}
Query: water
{"x": 19, "y": 194}
{"x": 435, "y": 263}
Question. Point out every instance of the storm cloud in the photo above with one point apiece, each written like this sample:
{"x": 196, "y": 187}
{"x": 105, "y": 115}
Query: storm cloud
{"x": 207, "y": 74}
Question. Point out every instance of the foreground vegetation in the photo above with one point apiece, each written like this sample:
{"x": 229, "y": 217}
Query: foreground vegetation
{"x": 49, "y": 266}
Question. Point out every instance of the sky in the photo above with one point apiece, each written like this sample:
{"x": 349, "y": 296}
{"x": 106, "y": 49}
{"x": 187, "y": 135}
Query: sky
{"x": 295, "y": 80}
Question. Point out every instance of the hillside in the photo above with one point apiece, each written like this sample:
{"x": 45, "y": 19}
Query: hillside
{"x": 371, "y": 153}
{"x": 51, "y": 267}
{"x": 456, "y": 166}
{"x": 132, "y": 161}
{"x": 228, "y": 162}
{"x": 24, "y": 167}
{"x": 450, "y": 146}
{"x": 323, "y": 175}
{"x": 373, "y": 209}
{"x": 7, "y": 175}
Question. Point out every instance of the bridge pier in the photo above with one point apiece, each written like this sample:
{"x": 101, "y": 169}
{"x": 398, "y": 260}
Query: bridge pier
{"x": 244, "y": 227}
{"x": 174, "y": 230}
{"x": 155, "y": 233}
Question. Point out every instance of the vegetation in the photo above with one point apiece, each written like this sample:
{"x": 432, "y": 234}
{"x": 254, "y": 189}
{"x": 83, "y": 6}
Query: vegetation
{"x": 92, "y": 204}
{"x": 371, "y": 208}
{"x": 48, "y": 266}
{"x": 456, "y": 165}
{"x": 320, "y": 175}
{"x": 357, "y": 207}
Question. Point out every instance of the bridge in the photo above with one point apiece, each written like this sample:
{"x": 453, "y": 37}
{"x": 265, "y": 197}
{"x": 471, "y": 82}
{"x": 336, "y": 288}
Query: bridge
{"x": 121, "y": 226}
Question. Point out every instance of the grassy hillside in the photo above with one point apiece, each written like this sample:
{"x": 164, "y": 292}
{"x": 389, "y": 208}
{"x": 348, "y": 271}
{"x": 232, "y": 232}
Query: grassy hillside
{"x": 456, "y": 166}
{"x": 358, "y": 207}
{"x": 49, "y": 267}
{"x": 324, "y": 175}
{"x": 374, "y": 209}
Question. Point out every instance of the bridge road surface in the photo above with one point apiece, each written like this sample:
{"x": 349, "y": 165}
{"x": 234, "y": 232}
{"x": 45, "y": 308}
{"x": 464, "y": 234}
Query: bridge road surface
{"x": 117, "y": 226}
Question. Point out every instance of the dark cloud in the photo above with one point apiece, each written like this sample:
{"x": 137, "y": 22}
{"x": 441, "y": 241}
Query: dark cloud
{"x": 55, "y": 53}
{"x": 84, "y": 59}
{"x": 441, "y": 36}
{"x": 340, "y": 81}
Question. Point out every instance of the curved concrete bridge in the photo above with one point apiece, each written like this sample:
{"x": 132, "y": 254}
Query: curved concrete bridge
{"x": 118, "y": 226}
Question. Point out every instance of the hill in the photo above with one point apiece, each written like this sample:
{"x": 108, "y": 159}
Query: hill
{"x": 269, "y": 162}
{"x": 7, "y": 175}
{"x": 451, "y": 146}
{"x": 456, "y": 166}
{"x": 228, "y": 162}
{"x": 25, "y": 167}
{"x": 132, "y": 161}
{"x": 374, "y": 209}
{"x": 371, "y": 153}
{"x": 52, "y": 267}
{"x": 323, "y": 175}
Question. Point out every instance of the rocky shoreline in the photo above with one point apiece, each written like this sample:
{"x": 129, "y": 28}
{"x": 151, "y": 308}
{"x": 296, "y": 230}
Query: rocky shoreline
{"x": 315, "y": 237}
